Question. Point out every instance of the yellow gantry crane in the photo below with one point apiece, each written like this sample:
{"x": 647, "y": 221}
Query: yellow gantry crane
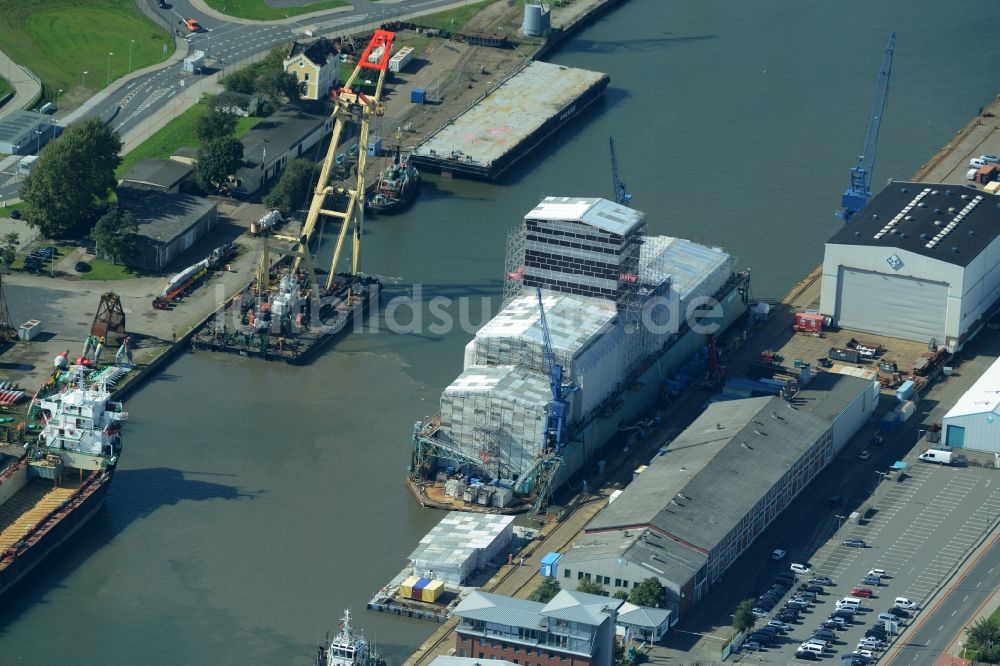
{"x": 350, "y": 106}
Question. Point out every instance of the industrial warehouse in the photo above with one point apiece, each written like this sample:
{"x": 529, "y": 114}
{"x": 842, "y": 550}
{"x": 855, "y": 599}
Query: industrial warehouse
{"x": 568, "y": 310}
{"x": 920, "y": 262}
{"x": 716, "y": 488}
{"x": 974, "y": 422}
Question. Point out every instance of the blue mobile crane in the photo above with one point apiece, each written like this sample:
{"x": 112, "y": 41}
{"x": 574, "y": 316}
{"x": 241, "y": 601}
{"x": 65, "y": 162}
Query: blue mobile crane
{"x": 620, "y": 189}
{"x": 555, "y": 411}
{"x": 859, "y": 193}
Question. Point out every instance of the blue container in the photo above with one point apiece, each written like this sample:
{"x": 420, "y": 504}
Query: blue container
{"x": 418, "y": 95}
{"x": 375, "y": 146}
{"x": 549, "y": 567}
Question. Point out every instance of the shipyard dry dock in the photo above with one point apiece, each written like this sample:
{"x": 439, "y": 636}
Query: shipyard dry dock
{"x": 510, "y": 120}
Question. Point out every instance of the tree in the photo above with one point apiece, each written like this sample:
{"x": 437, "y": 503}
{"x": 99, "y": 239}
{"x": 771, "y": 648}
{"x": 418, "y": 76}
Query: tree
{"x": 72, "y": 175}
{"x": 240, "y": 81}
{"x": 291, "y": 191}
{"x": 744, "y": 619}
{"x": 621, "y": 594}
{"x": 649, "y": 593}
{"x": 984, "y": 638}
{"x": 277, "y": 85}
{"x": 549, "y": 588}
{"x": 217, "y": 160}
{"x": 590, "y": 586}
{"x": 10, "y": 243}
{"x": 114, "y": 234}
{"x": 214, "y": 125}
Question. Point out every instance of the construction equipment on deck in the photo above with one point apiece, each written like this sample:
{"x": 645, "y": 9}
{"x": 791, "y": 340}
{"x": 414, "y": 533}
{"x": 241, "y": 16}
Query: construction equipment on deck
{"x": 620, "y": 189}
{"x": 109, "y": 322}
{"x": 859, "y": 193}
{"x": 350, "y": 105}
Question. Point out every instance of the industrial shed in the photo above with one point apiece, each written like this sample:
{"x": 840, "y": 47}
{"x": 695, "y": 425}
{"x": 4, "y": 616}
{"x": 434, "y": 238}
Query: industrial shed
{"x": 920, "y": 262}
{"x": 169, "y": 224}
{"x": 157, "y": 174}
{"x": 461, "y": 544}
{"x": 720, "y": 483}
{"x": 974, "y": 422}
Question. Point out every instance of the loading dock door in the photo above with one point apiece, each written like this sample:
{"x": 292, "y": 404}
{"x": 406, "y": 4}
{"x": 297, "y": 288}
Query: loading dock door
{"x": 891, "y": 305}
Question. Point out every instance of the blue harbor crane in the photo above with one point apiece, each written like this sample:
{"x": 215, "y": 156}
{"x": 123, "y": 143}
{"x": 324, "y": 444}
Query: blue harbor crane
{"x": 620, "y": 189}
{"x": 858, "y": 194}
{"x": 555, "y": 411}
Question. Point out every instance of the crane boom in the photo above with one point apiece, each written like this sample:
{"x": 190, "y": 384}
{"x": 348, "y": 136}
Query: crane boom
{"x": 859, "y": 193}
{"x": 555, "y": 419}
{"x": 350, "y": 105}
{"x": 620, "y": 189}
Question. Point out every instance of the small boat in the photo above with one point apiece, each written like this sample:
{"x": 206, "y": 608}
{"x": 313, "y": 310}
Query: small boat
{"x": 348, "y": 648}
{"x": 397, "y": 186}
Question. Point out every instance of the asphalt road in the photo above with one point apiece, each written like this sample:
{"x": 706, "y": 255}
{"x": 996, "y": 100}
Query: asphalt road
{"x": 224, "y": 44}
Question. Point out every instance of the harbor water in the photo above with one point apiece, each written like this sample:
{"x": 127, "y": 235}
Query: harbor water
{"x": 255, "y": 501}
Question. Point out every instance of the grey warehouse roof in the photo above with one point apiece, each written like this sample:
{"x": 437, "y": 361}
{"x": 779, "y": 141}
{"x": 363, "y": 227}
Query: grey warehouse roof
{"x": 163, "y": 216}
{"x": 17, "y": 123}
{"x": 506, "y": 116}
{"x": 162, "y": 173}
{"x": 951, "y": 223}
{"x": 642, "y": 616}
{"x": 598, "y": 213}
{"x": 277, "y": 134}
{"x": 580, "y": 607}
{"x": 716, "y": 470}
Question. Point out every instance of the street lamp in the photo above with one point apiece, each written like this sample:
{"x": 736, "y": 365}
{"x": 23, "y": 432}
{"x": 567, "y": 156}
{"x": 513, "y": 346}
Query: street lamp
{"x": 38, "y": 141}
{"x": 85, "y": 78}
{"x": 58, "y": 95}
{"x": 840, "y": 521}
{"x": 109, "y": 66}
{"x": 131, "y": 43}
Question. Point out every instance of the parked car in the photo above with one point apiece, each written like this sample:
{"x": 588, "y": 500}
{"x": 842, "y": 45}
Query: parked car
{"x": 872, "y": 580}
{"x": 878, "y": 572}
{"x": 875, "y": 632}
{"x": 15, "y": 214}
{"x": 846, "y": 613}
{"x": 903, "y": 602}
{"x": 825, "y": 634}
{"x": 81, "y": 267}
{"x": 821, "y": 580}
{"x": 840, "y": 622}
{"x": 777, "y": 554}
{"x": 898, "y": 612}
{"x": 806, "y": 655}
{"x": 780, "y": 626}
{"x": 786, "y": 616}
{"x": 811, "y": 596}
{"x": 867, "y": 655}
{"x": 815, "y": 589}
{"x": 751, "y": 646}
{"x": 990, "y": 159}
{"x": 759, "y": 613}
{"x": 855, "y": 543}
{"x": 863, "y": 592}
{"x": 829, "y": 624}
{"x": 799, "y": 568}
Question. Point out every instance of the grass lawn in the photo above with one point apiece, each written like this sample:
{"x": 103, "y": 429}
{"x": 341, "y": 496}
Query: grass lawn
{"x": 178, "y": 132}
{"x": 105, "y": 270}
{"x": 5, "y": 87}
{"x": 259, "y": 10}
{"x": 452, "y": 20}
{"x": 995, "y": 618}
{"x": 61, "y": 39}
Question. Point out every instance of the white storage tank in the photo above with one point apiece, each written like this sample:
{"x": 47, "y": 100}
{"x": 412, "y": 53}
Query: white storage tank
{"x": 536, "y": 20}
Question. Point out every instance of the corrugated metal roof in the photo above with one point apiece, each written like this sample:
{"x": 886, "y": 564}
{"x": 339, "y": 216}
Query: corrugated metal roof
{"x": 598, "y": 213}
{"x": 502, "y": 610}
{"x": 509, "y": 114}
{"x": 580, "y": 607}
{"x": 982, "y": 397}
{"x": 642, "y": 616}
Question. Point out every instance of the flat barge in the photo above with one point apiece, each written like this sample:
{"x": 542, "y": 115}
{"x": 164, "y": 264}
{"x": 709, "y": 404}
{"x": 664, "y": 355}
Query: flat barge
{"x": 291, "y": 323}
{"x": 511, "y": 120}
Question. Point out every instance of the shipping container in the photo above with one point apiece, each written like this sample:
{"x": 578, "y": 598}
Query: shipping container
{"x": 418, "y": 95}
{"x": 905, "y": 390}
{"x": 418, "y": 588}
{"x": 432, "y": 591}
{"x": 907, "y": 409}
{"x": 848, "y": 355}
{"x": 374, "y": 146}
{"x": 406, "y": 587}
{"x": 549, "y": 565}
{"x": 400, "y": 59}
{"x": 808, "y": 322}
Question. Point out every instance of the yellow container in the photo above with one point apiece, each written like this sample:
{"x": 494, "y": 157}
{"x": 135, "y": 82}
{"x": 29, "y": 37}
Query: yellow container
{"x": 406, "y": 588}
{"x": 432, "y": 591}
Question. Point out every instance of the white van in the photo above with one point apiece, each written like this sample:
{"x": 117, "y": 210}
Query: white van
{"x": 811, "y": 647}
{"x": 937, "y": 456}
{"x": 849, "y": 602}
{"x": 977, "y": 163}
{"x": 904, "y": 603}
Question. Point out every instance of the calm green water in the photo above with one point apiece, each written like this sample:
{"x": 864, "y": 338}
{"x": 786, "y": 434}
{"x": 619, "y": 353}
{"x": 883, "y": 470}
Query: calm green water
{"x": 255, "y": 501}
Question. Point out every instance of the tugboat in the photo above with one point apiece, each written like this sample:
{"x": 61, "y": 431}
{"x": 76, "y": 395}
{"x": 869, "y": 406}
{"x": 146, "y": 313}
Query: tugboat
{"x": 397, "y": 186}
{"x": 53, "y": 485}
{"x": 348, "y": 648}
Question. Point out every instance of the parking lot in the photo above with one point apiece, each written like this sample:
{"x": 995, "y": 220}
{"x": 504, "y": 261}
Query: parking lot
{"x": 919, "y": 530}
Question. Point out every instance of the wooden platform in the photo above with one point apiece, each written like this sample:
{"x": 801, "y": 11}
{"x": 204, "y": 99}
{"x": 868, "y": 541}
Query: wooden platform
{"x": 22, "y": 512}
